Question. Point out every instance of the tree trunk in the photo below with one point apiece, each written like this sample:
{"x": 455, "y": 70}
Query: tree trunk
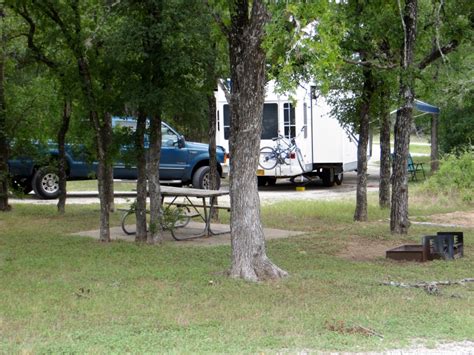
{"x": 384, "y": 187}
{"x": 4, "y": 148}
{"x": 101, "y": 139}
{"x": 107, "y": 129}
{"x": 104, "y": 173}
{"x": 156, "y": 215}
{"x": 247, "y": 63}
{"x": 213, "y": 173}
{"x": 140, "y": 208}
{"x": 360, "y": 213}
{"x": 62, "y": 163}
{"x": 399, "y": 222}
{"x": 434, "y": 143}
{"x": 73, "y": 35}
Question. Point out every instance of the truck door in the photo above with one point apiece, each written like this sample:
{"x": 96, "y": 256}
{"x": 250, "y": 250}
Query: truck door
{"x": 174, "y": 159}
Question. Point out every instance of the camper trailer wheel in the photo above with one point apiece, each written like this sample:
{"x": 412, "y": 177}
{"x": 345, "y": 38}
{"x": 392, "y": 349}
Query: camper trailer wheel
{"x": 266, "y": 180}
{"x": 338, "y": 178}
{"x": 271, "y": 181}
{"x": 327, "y": 176}
{"x": 261, "y": 180}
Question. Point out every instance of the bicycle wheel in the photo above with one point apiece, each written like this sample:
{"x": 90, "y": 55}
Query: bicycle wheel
{"x": 299, "y": 156}
{"x": 183, "y": 218}
{"x": 129, "y": 223}
{"x": 176, "y": 218}
{"x": 268, "y": 158}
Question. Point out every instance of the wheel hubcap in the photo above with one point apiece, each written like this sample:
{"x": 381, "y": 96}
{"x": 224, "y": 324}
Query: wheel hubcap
{"x": 50, "y": 183}
{"x": 206, "y": 182}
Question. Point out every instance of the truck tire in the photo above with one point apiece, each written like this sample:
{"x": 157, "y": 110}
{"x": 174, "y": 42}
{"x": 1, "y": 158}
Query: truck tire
{"x": 201, "y": 178}
{"x": 328, "y": 177}
{"x": 46, "y": 183}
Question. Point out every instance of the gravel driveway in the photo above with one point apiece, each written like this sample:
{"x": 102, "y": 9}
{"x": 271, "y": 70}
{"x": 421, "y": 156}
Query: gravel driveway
{"x": 283, "y": 190}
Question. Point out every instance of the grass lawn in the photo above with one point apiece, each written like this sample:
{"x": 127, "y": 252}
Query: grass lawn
{"x": 91, "y": 185}
{"x": 64, "y": 294}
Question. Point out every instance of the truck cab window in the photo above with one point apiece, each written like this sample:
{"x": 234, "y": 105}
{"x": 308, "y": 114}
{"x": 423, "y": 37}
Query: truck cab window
{"x": 168, "y": 137}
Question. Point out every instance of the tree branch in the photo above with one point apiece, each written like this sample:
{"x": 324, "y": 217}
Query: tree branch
{"x": 226, "y": 91}
{"x": 370, "y": 64}
{"x": 438, "y": 53}
{"x": 217, "y": 17}
{"x": 39, "y": 55}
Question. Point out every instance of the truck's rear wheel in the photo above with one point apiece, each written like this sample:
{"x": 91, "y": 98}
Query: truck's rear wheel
{"x": 46, "y": 183}
{"x": 202, "y": 178}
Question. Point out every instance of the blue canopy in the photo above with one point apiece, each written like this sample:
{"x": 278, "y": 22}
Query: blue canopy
{"x": 424, "y": 107}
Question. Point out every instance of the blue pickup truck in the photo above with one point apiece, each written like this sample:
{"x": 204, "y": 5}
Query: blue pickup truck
{"x": 181, "y": 162}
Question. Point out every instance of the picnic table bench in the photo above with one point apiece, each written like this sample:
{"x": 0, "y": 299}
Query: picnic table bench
{"x": 203, "y": 209}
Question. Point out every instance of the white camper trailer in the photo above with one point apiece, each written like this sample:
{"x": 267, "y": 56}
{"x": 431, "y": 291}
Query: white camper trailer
{"x": 327, "y": 149}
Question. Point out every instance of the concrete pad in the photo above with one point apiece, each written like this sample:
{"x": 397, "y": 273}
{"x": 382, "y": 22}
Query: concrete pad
{"x": 116, "y": 233}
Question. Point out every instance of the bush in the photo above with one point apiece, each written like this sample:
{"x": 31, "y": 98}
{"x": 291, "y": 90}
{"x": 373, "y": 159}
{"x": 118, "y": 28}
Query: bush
{"x": 456, "y": 174}
{"x": 456, "y": 130}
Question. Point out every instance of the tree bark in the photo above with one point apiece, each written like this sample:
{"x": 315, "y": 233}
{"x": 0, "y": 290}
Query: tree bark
{"x": 156, "y": 215}
{"x": 103, "y": 178}
{"x": 140, "y": 209}
{"x": 384, "y": 187}
{"x": 247, "y": 63}
{"x": 62, "y": 161}
{"x": 4, "y": 146}
{"x": 399, "y": 222}
{"x": 101, "y": 140}
{"x": 434, "y": 143}
{"x": 107, "y": 133}
{"x": 360, "y": 213}
{"x": 213, "y": 172}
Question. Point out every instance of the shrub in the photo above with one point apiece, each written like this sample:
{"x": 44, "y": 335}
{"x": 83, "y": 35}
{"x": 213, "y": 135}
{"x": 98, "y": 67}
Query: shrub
{"x": 456, "y": 174}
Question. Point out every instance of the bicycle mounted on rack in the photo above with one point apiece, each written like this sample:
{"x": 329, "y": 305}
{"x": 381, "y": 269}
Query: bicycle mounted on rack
{"x": 281, "y": 154}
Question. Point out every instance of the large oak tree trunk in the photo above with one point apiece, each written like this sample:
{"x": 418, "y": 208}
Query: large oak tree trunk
{"x": 399, "y": 222}
{"x": 384, "y": 187}
{"x": 156, "y": 215}
{"x": 62, "y": 161}
{"x": 247, "y": 62}
{"x": 4, "y": 206}
{"x": 140, "y": 209}
{"x": 360, "y": 213}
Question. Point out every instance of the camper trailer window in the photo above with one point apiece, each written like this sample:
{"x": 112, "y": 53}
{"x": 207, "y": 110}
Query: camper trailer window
{"x": 270, "y": 121}
{"x": 289, "y": 120}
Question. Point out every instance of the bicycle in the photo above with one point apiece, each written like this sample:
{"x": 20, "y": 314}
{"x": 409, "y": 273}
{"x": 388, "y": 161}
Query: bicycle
{"x": 270, "y": 157}
{"x": 172, "y": 219}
